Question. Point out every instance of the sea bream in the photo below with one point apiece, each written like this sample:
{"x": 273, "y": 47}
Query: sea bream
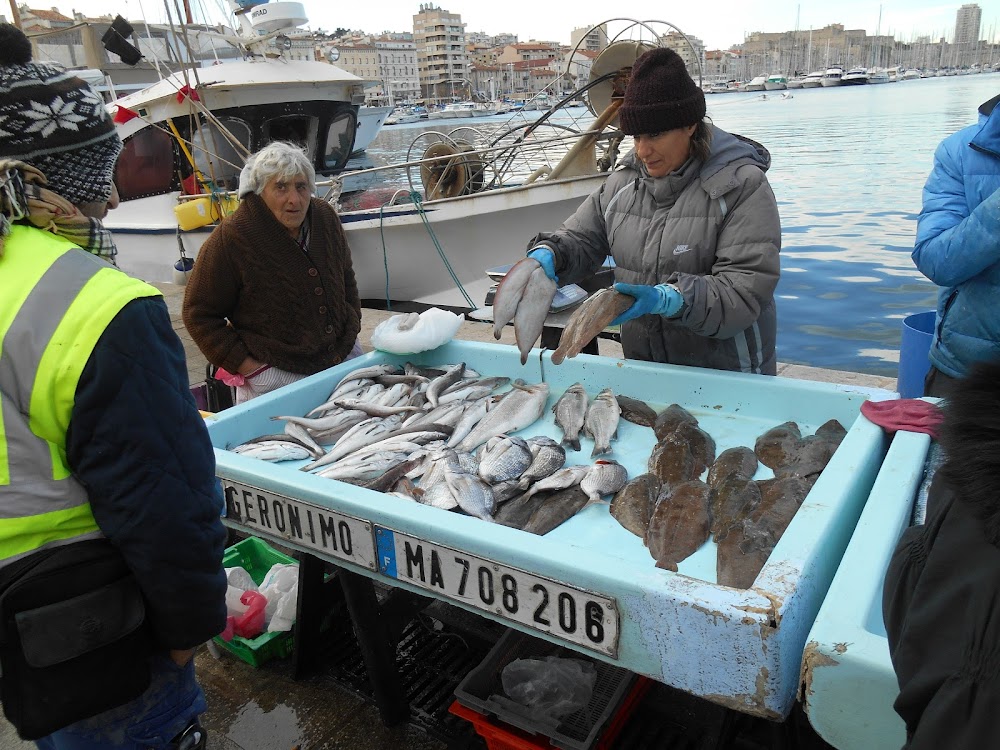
{"x": 571, "y": 411}
{"x": 601, "y": 421}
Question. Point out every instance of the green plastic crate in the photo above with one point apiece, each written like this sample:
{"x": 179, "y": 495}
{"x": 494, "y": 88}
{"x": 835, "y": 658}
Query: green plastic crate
{"x": 257, "y": 557}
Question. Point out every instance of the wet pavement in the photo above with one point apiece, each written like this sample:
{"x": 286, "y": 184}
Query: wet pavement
{"x": 265, "y": 708}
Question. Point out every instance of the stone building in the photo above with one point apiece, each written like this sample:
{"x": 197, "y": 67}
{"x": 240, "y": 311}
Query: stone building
{"x": 442, "y": 62}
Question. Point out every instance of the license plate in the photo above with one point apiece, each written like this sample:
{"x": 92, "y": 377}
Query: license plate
{"x": 566, "y": 612}
{"x": 271, "y": 515}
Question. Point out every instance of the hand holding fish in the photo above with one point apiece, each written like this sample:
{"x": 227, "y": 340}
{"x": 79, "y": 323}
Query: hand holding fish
{"x": 525, "y": 295}
{"x": 662, "y": 299}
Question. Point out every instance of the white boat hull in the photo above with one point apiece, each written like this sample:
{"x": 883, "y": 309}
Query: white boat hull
{"x": 370, "y": 122}
{"x": 775, "y": 86}
{"x": 475, "y": 232}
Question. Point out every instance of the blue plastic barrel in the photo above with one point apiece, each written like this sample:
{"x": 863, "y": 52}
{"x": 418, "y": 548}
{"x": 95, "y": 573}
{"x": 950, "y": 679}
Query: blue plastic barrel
{"x": 918, "y": 332}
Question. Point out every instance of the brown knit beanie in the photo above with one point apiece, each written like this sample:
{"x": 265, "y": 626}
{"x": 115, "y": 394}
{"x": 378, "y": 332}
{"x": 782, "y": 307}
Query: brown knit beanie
{"x": 55, "y": 122}
{"x": 660, "y": 95}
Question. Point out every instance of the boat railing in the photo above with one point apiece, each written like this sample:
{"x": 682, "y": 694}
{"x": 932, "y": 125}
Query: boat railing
{"x": 504, "y": 161}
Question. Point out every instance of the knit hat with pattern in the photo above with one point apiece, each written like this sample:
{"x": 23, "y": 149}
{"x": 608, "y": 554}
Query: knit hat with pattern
{"x": 55, "y": 122}
{"x": 660, "y": 95}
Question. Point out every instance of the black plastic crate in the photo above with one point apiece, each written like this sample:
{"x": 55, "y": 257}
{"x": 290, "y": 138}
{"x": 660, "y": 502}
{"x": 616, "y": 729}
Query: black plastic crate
{"x": 482, "y": 690}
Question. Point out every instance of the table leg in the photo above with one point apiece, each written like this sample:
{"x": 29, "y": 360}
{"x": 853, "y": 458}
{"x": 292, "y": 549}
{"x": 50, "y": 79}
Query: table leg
{"x": 377, "y": 648}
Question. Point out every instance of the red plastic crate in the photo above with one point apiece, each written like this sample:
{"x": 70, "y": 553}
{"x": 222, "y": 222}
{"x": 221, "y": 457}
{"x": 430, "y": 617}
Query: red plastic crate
{"x": 501, "y": 736}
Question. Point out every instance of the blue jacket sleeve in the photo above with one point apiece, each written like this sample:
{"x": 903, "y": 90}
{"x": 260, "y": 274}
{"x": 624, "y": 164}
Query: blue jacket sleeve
{"x": 953, "y": 244}
{"x": 138, "y": 444}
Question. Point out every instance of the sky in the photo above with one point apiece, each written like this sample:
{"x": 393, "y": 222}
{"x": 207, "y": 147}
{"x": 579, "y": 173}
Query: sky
{"x": 718, "y": 23}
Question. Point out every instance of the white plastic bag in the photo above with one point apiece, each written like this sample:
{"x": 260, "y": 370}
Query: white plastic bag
{"x": 412, "y": 333}
{"x": 239, "y": 578}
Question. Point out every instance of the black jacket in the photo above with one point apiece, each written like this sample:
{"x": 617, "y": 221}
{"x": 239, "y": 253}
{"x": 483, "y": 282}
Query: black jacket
{"x": 138, "y": 444}
{"x": 941, "y": 601}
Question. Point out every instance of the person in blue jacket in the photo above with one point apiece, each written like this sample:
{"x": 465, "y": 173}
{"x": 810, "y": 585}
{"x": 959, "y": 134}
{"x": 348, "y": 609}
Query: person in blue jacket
{"x": 102, "y": 444}
{"x": 958, "y": 248}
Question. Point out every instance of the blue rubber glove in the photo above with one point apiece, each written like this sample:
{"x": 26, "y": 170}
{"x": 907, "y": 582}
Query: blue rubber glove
{"x": 547, "y": 258}
{"x": 661, "y": 299}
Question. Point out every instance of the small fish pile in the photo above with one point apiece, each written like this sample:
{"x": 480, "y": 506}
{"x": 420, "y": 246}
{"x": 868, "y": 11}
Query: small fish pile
{"x": 589, "y": 319}
{"x": 598, "y": 419}
{"x": 524, "y": 295}
{"x": 675, "y": 512}
{"x": 445, "y": 438}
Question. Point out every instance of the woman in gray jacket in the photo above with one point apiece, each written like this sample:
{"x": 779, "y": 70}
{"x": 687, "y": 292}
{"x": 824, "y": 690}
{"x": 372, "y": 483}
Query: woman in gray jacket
{"x": 692, "y": 225}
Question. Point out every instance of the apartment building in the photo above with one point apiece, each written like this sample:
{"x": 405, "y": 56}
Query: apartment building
{"x": 442, "y": 62}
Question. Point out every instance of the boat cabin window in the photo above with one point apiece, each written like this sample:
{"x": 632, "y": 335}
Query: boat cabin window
{"x": 339, "y": 140}
{"x": 299, "y": 130}
{"x": 215, "y": 155}
{"x": 146, "y": 165}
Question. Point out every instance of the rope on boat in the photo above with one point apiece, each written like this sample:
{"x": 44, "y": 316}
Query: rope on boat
{"x": 418, "y": 202}
{"x": 385, "y": 255}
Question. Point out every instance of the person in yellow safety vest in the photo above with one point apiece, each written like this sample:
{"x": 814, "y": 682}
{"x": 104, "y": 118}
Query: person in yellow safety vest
{"x": 104, "y": 458}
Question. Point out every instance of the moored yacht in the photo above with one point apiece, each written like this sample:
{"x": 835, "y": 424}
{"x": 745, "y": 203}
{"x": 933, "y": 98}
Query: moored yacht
{"x": 877, "y": 75}
{"x": 855, "y": 77}
{"x": 833, "y": 76}
{"x": 795, "y": 82}
{"x": 756, "y": 83}
{"x": 813, "y": 81}
{"x": 776, "y": 82}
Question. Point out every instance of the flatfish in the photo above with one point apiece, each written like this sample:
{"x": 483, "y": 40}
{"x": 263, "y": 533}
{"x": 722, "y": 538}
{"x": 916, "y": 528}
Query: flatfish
{"x": 670, "y": 418}
{"x": 679, "y": 524}
{"x": 570, "y": 411}
{"x": 732, "y": 501}
{"x": 701, "y": 443}
{"x": 636, "y": 411}
{"x": 605, "y": 477}
{"x": 808, "y": 458}
{"x": 517, "y": 512}
{"x": 832, "y": 430}
{"x": 672, "y": 461}
{"x": 633, "y": 504}
{"x": 601, "y": 421}
{"x": 556, "y": 510}
{"x": 774, "y": 447}
{"x": 733, "y": 463}
{"x": 589, "y": 319}
{"x": 745, "y": 550}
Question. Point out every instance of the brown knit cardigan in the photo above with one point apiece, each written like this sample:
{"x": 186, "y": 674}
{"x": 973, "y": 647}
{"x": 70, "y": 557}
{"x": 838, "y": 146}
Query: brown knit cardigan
{"x": 294, "y": 311}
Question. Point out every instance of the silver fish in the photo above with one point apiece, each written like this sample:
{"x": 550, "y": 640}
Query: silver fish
{"x": 474, "y": 495}
{"x": 504, "y": 457}
{"x": 370, "y": 373}
{"x": 519, "y": 408}
{"x": 439, "y": 384}
{"x": 375, "y": 410}
{"x": 548, "y": 458}
{"x": 533, "y": 308}
{"x": 605, "y": 477}
{"x": 601, "y": 422}
{"x": 571, "y": 411}
{"x": 273, "y": 450}
{"x": 301, "y": 434}
{"x": 560, "y": 480}
{"x": 473, "y": 413}
{"x": 509, "y": 293}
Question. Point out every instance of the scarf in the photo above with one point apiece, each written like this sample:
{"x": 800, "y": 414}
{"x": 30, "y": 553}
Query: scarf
{"x": 25, "y": 197}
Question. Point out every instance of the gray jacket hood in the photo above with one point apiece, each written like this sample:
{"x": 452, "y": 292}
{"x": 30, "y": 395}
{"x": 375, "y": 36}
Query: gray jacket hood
{"x": 728, "y": 152}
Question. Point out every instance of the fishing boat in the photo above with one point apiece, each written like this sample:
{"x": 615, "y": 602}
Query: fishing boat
{"x": 776, "y": 82}
{"x": 429, "y": 242}
{"x": 370, "y": 122}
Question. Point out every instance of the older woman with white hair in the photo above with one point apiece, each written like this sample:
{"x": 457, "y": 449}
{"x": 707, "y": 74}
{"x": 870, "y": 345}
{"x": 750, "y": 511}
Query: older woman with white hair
{"x": 272, "y": 297}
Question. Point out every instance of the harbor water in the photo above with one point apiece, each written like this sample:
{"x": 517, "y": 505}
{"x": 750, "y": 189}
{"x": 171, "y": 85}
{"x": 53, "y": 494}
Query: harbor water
{"x": 847, "y": 167}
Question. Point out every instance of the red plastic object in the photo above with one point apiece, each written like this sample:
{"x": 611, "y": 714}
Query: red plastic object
{"x": 501, "y": 736}
{"x": 910, "y": 414}
{"x": 251, "y": 623}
